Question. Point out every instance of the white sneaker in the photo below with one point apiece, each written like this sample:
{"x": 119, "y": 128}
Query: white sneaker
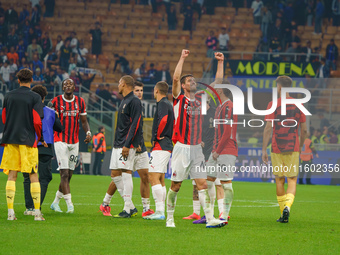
{"x": 11, "y": 217}
{"x": 70, "y": 209}
{"x": 215, "y": 223}
{"x": 29, "y": 211}
{"x": 170, "y": 223}
{"x": 38, "y": 216}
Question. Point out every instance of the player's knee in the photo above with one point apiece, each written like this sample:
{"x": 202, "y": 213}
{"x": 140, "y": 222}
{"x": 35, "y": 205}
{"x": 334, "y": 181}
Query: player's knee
{"x": 65, "y": 176}
{"x": 175, "y": 186}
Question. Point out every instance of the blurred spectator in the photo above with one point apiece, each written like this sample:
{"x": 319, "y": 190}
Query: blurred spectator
{"x": 24, "y": 14}
{"x": 188, "y": 15}
{"x": 164, "y": 74}
{"x": 32, "y": 49}
{"x": 3, "y": 56}
{"x": 59, "y": 44}
{"x": 333, "y": 136}
{"x": 104, "y": 94}
{"x": 332, "y": 54}
{"x": 319, "y": 12}
{"x": 197, "y": 6}
{"x": 323, "y": 121}
{"x": 23, "y": 64}
{"x": 49, "y": 8}
{"x": 223, "y": 39}
{"x": 336, "y": 12}
{"x": 74, "y": 42}
{"x": 86, "y": 80}
{"x": 266, "y": 21}
{"x": 275, "y": 47}
{"x": 211, "y": 43}
{"x": 13, "y": 55}
{"x": 2, "y": 11}
{"x": 140, "y": 72}
{"x": 35, "y": 2}
{"x": 49, "y": 77}
{"x": 11, "y": 16}
{"x": 310, "y": 13}
{"x": 36, "y": 63}
{"x": 35, "y": 17}
{"x": 25, "y": 31}
{"x": 172, "y": 18}
{"x": 292, "y": 49}
{"x": 324, "y": 137}
{"x": 51, "y": 59}
{"x": 61, "y": 75}
{"x": 294, "y": 38}
{"x": 12, "y": 39}
{"x": 64, "y": 55}
{"x": 153, "y": 5}
{"x": 323, "y": 70}
{"x": 13, "y": 67}
{"x": 152, "y": 73}
{"x": 72, "y": 65}
{"x": 46, "y": 44}
{"x": 256, "y": 6}
{"x": 277, "y": 30}
{"x": 38, "y": 77}
{"x": 307, "y": 50}
{"x": 5, "y": 72}
{"x": 31, "y": 35}
{"x": 20, "y": 49}
{"x": 74, "y": 77}
{"x": 316, "y": 136}
{"x": 124, "y": 64}
{"x": 167, "y": 5}
{"x": 81, "y": 56}
{"x": 96, "y": 40}
{"x": 288, "y": 13}
{"x": 299, "y": 6}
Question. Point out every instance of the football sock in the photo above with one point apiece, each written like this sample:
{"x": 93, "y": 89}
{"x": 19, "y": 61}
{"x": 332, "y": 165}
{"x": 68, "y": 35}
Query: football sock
{"x": 58, "y": 196}
{"x": 281, "y": 200}
{"x": 35, "y": 193}
{"x": 204, "y": 199}
{"x": 157, "y": 193}
{"x": 171, "y": 203}
{"x": 118, "y": 180}
{"x": 289, "y": 200}
{"x": 212, "y": 193}
{"x": 164, "y": 193}
{"x": 220, "y": 205}
{"x": 228, "y": 198}
{"x": 146, "y": 203}
{"x": 196, "y": 206}
{"x": 128, "y": 189}
{"x": 107, "y": 199}
{"x": 10, "y": 193}
{"x": 68, "y": 199}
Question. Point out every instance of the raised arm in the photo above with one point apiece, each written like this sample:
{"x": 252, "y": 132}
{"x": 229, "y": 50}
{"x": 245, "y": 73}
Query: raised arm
{"x": 176, "y": 85}
{"x": 220, "y": 69}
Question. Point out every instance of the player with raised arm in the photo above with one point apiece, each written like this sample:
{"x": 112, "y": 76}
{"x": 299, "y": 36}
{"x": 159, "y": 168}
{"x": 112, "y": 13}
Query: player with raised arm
{"x": 162, "y": 130}
{"x": 188, "y": 157}
{"x": 127, "y": 139}
{"x": 285, "y": 147}
{"x": 70, "y": 109}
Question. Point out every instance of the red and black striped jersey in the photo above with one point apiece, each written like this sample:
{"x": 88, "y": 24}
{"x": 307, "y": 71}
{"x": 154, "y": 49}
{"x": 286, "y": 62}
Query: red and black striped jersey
{"x": 285, "y": 139}
{"x": 225, "y": 134}
{"x": 69, "y": 113}
{"x": 188, "y": 119}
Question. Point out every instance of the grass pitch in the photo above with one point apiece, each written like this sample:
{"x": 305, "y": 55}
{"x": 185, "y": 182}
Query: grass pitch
{"x": 314, "y": 226}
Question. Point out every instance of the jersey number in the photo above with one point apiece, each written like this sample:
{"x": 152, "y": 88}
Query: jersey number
{"x": 121, "y": 157}
{"x": 150, "y": 161}
{"x": 73, "y": 158}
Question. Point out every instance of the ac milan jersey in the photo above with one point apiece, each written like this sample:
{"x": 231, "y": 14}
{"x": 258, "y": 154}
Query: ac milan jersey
{"x": 188, "y": 119}
{"x": 285, "y": 139}
{"x": 69, "y": 113}
{"x": 225, "y": 133}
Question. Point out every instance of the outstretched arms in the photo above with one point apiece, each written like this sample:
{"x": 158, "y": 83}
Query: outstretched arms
{"x": 176, "y": 86}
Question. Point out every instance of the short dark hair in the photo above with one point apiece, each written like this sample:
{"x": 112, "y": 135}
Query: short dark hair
{"x": 284, "y": 81}
{"x": 41, "y": 90}
{"x": 138, "y": 84}
{"x": 25, "y": 75}
{"x": 129, "y": 81}
{"x": 163, "y": 87}
{"x": 100, "y": 128}
{"x": 182, "y": 80}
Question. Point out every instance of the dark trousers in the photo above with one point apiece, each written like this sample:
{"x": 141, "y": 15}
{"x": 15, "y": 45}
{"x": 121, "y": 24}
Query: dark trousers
{"x": 45, "y": 176}
{"x": 97, "y": 165}
{"x": 303, "y": 172}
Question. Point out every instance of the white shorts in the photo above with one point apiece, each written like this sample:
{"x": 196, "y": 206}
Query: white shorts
{"x": 141, "y": 161}
{"x": 67, "y": 155}
{"x": 119, "y": 162}
{"x": 187, "y": 159}
{"x": 159, "y": 161}
{"x": 217, "y": 182}
{"x": 223, "y": 168}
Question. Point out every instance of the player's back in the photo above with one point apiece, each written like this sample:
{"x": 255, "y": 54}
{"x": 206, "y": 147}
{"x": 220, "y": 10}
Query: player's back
{"x": 20, "y": 108}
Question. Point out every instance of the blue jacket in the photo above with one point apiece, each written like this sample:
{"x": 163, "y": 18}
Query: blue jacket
{"x": 47, "y": 125}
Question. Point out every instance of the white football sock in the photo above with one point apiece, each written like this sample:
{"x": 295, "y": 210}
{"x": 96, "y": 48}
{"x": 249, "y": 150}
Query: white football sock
{"x": 212, "y": 194}
{"x": 118, "y": 180}
{"x": 128, "y": 189}
{"x": 204, "y": 198}
{"x": 157, "y": 193}
{"x": 58, "y": 196}
{"x": 220, "y": 205}
{"x": 171, "y": 203}
{"x": 107, "y": 199}
{"x": 164, "y": 193}
{"x": 196, "y": 206}
{"x": 228, "y": 198}
{"x": 146, "y": 204}
{"x": 68, "y": 199}
{"x": 10, "y": 211}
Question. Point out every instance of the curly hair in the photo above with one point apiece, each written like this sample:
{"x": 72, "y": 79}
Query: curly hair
{"x": 41, "y": 90}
